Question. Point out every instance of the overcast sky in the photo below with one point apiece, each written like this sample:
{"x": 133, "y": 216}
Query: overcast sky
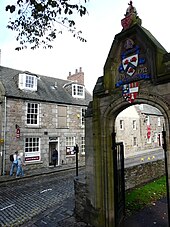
{"x": 99, "y": 28}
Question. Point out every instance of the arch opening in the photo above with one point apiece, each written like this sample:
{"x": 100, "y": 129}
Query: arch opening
{"x": 139, "y": 128}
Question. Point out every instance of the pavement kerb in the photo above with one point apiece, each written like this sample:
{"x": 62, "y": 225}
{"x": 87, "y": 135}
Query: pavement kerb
{"x": 42, "y": 172}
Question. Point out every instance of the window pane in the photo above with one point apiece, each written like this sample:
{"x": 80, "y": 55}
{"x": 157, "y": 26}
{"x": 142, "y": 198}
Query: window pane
{"x": 31, "y": 144}
{"x": 82, "y": 144}
{"x": 70, "y": 145}
{"x": 134, "y": 124}
{"x": 83, "y": 111}
{"x": 29, "y": 82}
{"x": 32, "y": 113}
{"x": 78, "y": 91}
{"x": 62, "y": 116}
{"x": 121, "y": 124}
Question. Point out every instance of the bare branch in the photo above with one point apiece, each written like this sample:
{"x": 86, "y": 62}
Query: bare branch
{"x": 36, "y": 21}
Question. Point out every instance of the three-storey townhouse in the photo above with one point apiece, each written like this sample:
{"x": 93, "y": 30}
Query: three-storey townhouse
{"x": 40, "y": 113}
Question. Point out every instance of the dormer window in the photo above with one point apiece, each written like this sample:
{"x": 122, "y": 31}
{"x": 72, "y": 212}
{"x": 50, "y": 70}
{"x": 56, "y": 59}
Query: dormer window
{"x": 78, "y": 91}
{"x": 27, "y": 82}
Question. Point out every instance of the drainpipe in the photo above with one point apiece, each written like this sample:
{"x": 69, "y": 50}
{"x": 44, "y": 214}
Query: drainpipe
{"x": 4, "y": 148}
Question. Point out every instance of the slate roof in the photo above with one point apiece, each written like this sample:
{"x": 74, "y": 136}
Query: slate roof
{"x": 149, "y": 110}
{"x": 45, "y": 89}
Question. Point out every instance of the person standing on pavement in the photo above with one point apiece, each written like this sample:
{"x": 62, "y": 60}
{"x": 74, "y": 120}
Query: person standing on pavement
{"x": 20, "y": 171}
{"x": 14, "y": 163}
{"x": 55, "y": 157}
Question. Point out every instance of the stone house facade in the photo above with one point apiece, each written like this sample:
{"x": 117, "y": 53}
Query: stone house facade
{"x": 139, "y": 127}
{"x": 40, "y": 113}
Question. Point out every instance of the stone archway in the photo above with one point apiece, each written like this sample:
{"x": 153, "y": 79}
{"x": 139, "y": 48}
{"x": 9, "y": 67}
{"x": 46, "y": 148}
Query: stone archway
{"x": 136, "y": 71}
{"x": 99, "y": 158}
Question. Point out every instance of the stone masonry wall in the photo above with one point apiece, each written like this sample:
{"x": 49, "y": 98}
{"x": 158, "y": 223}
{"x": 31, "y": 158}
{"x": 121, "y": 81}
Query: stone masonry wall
{"x": 143, "y": 173}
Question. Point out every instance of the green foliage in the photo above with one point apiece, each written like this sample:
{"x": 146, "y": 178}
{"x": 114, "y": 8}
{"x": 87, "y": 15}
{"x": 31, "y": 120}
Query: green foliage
{"x": 37, "y": 22}
{"x": 138, "y": 198}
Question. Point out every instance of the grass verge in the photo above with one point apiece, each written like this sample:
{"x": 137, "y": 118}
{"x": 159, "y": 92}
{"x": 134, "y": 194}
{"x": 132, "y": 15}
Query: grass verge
{"x": 138, "y": 198}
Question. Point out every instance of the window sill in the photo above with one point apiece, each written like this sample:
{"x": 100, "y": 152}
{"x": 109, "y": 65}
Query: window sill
{"x": 33, "y": 162}
{"x": 62, "y": 127}
{"x": 32, "y": 126}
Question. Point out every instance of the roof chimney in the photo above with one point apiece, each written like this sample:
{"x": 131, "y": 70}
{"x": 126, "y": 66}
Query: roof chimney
{"x": 78, "y": 77}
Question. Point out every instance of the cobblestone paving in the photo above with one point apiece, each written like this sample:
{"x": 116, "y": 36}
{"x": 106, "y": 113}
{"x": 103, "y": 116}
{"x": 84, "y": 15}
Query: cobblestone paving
{"x": 20, "y": 202}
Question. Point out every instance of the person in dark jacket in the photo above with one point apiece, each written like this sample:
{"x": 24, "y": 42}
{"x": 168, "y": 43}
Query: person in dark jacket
{"x": 14, "y": 163}
{"x": 55, "y": 157}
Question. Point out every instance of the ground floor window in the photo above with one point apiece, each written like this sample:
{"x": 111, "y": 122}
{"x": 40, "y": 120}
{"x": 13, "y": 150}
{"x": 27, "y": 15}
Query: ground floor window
{"x": 134, "y": 141}
{"x": 155, "y": 137}
{"x": 32, "y": 149}
{"x": 83, "y": 145}
{"x": 70, "y": 143}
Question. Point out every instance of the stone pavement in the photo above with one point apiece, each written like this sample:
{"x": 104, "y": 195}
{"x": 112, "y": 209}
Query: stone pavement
{"x": 155, "y": 215}
{"x": 62, "y": 216}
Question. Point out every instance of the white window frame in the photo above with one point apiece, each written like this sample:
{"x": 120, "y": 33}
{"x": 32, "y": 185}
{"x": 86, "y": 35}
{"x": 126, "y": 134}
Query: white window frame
{"x": 76, "y": 93}
{"x": 155, "y": 137}
{"x": 32, "y": 149}
{"x": 159, "y": 121}
{"x": 82, "y": 145}
{"x": 27, "y": 82}
{"x": 135, "y": 141}
{"x": 121, "y": 124}
{"x": 83, "y": 111}
{"x": 32, "y": 114}
{"x": 134, "y": 124}
{"x": 70, "y": 143}
{"x": 148, "y": 120}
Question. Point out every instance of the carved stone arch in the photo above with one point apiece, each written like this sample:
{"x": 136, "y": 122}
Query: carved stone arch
{"x": 106, "y": 109}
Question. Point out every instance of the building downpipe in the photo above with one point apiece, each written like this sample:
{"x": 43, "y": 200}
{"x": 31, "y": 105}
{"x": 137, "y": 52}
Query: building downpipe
{"x": 4, "y": 138}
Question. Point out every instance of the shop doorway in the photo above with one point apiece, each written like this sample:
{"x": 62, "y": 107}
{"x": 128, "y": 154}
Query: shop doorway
{"x": 53, "y": 145}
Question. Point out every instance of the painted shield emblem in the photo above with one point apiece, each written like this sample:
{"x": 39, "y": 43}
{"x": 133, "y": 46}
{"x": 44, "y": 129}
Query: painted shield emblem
{"x": 130, "y": 91}
{"x": 129, "y": 64}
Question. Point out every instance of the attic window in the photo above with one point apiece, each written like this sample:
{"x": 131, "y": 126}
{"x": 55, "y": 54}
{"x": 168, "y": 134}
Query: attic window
{"x": 78, "y": 91}
{"x": 27, "y": 82}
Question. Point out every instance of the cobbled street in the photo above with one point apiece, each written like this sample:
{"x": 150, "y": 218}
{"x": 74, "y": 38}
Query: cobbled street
{"x": 24, "y": 201}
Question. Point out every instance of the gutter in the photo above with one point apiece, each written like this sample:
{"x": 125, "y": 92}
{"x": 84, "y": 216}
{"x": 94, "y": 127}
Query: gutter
{"x": 4, "y": 148}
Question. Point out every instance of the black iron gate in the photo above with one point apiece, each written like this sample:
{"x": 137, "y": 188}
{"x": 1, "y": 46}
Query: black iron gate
{"x": 164, "y": 145}
{"x": 119, "y": 182}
